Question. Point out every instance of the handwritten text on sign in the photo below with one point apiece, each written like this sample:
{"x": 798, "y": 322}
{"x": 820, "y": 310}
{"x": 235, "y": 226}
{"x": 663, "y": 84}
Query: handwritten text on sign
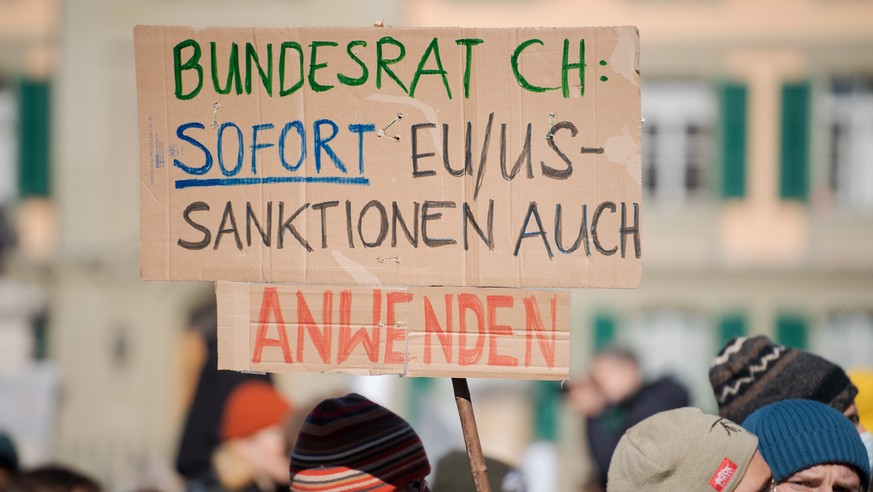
{"x": 470, "y": 157}
{"x": 507, "y": 333}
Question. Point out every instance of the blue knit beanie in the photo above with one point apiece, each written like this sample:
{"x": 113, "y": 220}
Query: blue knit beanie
{"x": 794, "y": 435}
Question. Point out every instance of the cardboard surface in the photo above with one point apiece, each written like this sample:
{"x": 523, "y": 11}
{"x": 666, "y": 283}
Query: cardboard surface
{"x": 415, "y": 331}
{"x": 276, "y": 155}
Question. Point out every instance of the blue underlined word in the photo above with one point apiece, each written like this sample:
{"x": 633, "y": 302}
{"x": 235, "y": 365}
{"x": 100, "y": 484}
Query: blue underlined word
{"x": 204, "y": 183}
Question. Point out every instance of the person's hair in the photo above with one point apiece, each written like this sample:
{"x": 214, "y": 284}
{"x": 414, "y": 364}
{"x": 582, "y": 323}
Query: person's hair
{"x": 621, "y": 353}
{"x": 53, "y": 478}
{"x": 202, "y": 318}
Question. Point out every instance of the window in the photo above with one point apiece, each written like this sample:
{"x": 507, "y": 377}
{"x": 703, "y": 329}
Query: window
{"x": 850, "y": 172}
{"x": 845, "y": 338}
{"x": 674, "y": 342}
{"x": 677, "y": 140}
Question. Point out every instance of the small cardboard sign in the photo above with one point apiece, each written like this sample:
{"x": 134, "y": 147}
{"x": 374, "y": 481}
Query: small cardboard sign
{"x": 415, "y": 331}
{"x": 457, "y": 157}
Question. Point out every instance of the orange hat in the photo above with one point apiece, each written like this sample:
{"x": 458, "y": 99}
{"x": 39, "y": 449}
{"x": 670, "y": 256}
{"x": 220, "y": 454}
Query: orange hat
{"x": 252, "y": 406}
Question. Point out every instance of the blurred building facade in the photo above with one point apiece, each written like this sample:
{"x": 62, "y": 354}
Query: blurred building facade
{"x": 757, "y": 217}
{"x": 757, "y": 156}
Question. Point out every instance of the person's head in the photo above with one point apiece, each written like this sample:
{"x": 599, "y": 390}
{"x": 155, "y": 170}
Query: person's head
{"x": 687, "y": 450}
{"x": 752, "y": 372}
{"x": 616, "y": 373}
{"x": 351, "y": 443}
{"x": 54, "y": 478}
{"x": 251, "y": 424}
{"x": 453, "y": 474}
{"x": 809, "y": 444}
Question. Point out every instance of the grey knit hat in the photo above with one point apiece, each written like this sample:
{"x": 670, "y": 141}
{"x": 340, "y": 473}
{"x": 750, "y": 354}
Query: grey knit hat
{"x": 683, "y": 449}
{"x": 752, "y": 372}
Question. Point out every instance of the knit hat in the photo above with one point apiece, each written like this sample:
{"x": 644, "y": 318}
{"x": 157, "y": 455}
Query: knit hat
{"x": 751, "y": 372}
{"x": 683, "y": 449}
{"x": 250, "y": 407}
{"x": 351, "y": 443}
{"x": 8, "y": 454}
{"x": 794, "y": 435}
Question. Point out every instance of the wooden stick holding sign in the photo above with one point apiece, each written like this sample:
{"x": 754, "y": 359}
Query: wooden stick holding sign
{"x": 471, "y": 435}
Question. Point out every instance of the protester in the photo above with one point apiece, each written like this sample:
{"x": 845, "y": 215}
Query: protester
{"x": 253, "y": 437}
{"x": 453, "y": 474}
{"x": 211, "y": 387}
{"x": 613, "y": 398}
{"x": 810, "y": 446}
{"x": 752, "y": 372}
{"x": 251, "y": 455}
{"x": 53, "y": 478}
{"x": 687, "y": 450}
{"x": 352, "y": 444}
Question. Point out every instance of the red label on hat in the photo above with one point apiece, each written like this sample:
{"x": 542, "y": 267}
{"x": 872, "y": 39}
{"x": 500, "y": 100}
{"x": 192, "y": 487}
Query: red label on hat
{"x": 723, "y": 475}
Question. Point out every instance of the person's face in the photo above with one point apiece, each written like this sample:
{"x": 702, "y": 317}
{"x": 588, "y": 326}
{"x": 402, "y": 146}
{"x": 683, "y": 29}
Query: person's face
{"x": 758, "y": 476}
{"x": 822, "y": 478}
{"x": 615, "y": 377}
{"x": 851, "y": 413}
{"x": 265, "y": 450}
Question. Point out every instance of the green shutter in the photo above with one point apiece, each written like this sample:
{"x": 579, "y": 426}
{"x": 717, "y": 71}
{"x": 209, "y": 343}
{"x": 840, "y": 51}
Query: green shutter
{"x": 34, "y": 139}
{"x": 604, "y": 331}
{"x": 547, "y": 403}
{"x": 418, "y": 390}
{"x": 733, "y": 141}
{"x": 730, "y": 327}
{"x": 791, "y": 331}
{"x": 794, "y": 164}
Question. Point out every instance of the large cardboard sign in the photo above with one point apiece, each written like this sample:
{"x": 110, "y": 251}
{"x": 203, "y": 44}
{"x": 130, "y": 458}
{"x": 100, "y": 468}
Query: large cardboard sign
{"x": 415, "y": 331}
{"x": 456, "y": 157}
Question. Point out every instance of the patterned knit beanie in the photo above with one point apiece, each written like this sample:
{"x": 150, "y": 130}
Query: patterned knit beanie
{"x": 250, "y": 407}
{"x": 353, "y": 444}
{"x": 794, "y": 435}
{"x": 681, "y": 450}
{"x": 752, "y": 372}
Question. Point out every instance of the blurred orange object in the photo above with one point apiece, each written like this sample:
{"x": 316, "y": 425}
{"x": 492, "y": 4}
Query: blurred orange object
{"x": 251, "y": 407}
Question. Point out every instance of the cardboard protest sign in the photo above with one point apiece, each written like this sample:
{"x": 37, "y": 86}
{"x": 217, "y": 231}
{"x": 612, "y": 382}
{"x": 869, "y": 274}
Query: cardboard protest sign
{"x": 457, "y": 157}
{"x": 415, "y": 331}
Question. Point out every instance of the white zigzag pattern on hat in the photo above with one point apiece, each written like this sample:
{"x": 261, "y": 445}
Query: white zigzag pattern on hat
{"x": 729, "y": 351}
{"x": 753, "y": 369}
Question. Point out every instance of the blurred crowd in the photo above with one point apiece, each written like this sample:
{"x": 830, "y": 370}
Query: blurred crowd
{"x": 788, "y": 420}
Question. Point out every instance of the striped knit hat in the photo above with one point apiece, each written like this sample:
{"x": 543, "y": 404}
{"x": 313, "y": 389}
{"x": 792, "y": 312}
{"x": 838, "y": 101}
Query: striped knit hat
{"x": 353, "y": 444}
{"x": 794, "y": 435}
{"x": 752, "y": 372}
